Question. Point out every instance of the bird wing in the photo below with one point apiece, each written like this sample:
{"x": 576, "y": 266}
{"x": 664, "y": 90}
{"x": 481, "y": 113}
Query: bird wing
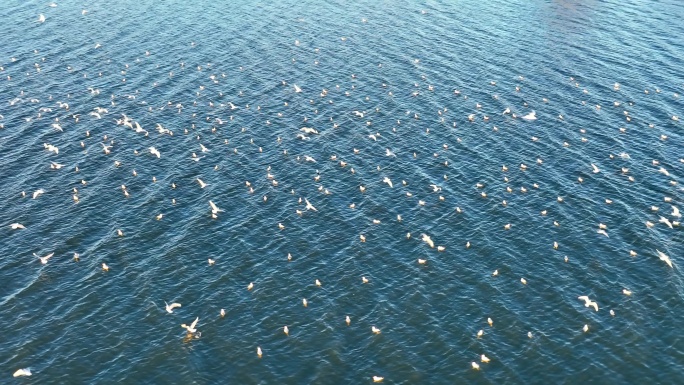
{"x": 48, "y": 256}
{"x": 194, "y": 323}
{"x": 583, "y": 298}
{"x": 175, "y": 305}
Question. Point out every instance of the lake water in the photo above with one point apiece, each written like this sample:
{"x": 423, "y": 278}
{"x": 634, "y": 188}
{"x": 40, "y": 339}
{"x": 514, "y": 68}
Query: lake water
{"x": 414, "y": 72}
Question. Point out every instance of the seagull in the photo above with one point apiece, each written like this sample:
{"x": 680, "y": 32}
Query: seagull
{"x": 191, "y": 329}
{"x": 286, "y": 330}
{"x": 309, "y": 206}
{"x": 201, "y": 183}
{"x": 44, "y": 259}
{"x": 663, "y": 257}
{"x": 485, "y": 359}
{"x": 154, "y": 151}
{"x": 531, "y": 116}
{"x": 375, "y": 330}
{"x": 378, "y": 378}
{"x": 390, "y": 153}
{"x": 475, "y": 365}
{"x": 585, "y": 328}
{"x": 388, "y": 181}
{"x": 259, "y": 352}
{"x": 675, "y": 212}
{"x": 204, "y": 149}
{"x": 297, "y": 88}
{"x": 17, "y": 226}
{"x": 214, "y": 208}
{"x": 169, "y": 308}
{"x": 588, "y": 302}
{"x": 665, "y": 221}
{"x": 22, "y": 372}
{"x": 41, "y": 18}
{"x": 428, "y": 240}
{"x": 38, "y": 193}
{"x": 595, "y": 169}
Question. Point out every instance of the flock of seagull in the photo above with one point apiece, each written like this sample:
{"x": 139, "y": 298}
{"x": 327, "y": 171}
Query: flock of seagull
{"x": 122, "y": 120}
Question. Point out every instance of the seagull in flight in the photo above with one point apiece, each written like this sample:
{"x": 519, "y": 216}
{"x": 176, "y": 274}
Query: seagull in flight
{"x": 191, "y": 329}
{"x": 41, "y": 18}
{"x": 309, "y": 206}
{"x": 665, "y": 221}
{"x": 201, "y": 183}
{"x": 169, "y": 308}
{"x": 17, "y": 226}
{"x": 388, "y": 181}
{"x": 428, "y": 240}
{"x": 588, "y": 302}
{"x": 595, "y": 169}
{"x": 154, "y": 151}
{"x": 214, "y": 208}
{"x": 38, "y": 193}
{"x": 44, "y": 259}
{"x": 663, "y": 257}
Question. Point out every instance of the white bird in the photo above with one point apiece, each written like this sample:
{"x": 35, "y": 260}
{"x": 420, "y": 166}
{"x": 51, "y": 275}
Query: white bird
{"x": 214, "y": 208}
{"x": 428, "y": 240}
{"x": 204, "y": 149}
{"x": 41, "y": 18}
{"x": 38, "y": 193}
{"x": 588, "y": 302}
{"x": 201, "y": 183}
{"x": 309, "y": 159}
{"x": 297, "y": 88}
{"x": 663, "y": 257}
{"x": 675, "y": 212}
{"x": 663, "y": 171}
{"x": 378, "y": 378}
{"x": 55, "y": 166}
{"x": 169, "y": 308}
{"x": 17, "y": 226}
{"x": 191, "y": 328}
{"x": 259, "y": 352}
{"x": 44, "y": 259}
{"x": 602, "y": 231}
{"x": 595, "y": 169}
{"x": 531, "y": 116}
{"x": 154, "y": 151}
{"x": 375, "y": 330}
{"x": 309, "y": 206}
{"x": 22, "y": 372}
{"x": 665, "y": 221}
{"x": 388, "y": 181}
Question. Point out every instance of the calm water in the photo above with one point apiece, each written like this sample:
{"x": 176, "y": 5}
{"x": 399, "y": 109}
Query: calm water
{"x": 72, "y": 323}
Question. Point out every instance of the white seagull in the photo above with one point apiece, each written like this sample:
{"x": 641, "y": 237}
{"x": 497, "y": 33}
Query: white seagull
{"x": 588, "y": 302}
{"x": 428, "y": 240}
{"x": 191, "y": 329}
{"x": 44, "y": 259}
{"x": 309, "y": 206}
{"x": 201, "y": 183}
{"x": 154, "y": 151}
{"x": 169, "y": 308}
{"x": 214, "y": 208}
{"x": 663, "y": 257}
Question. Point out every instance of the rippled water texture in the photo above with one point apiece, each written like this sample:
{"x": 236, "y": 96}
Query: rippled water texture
{"x": 398, "y": 64}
